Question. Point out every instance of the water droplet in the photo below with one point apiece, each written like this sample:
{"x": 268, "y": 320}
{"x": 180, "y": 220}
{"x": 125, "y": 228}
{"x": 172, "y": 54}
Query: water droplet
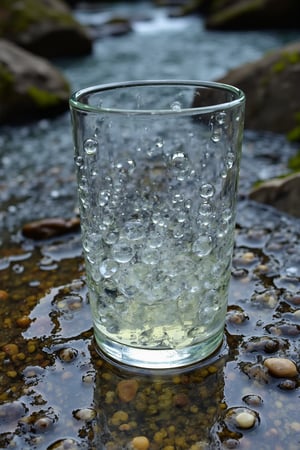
{"x": 159, "y": 142}
{"x": 216, "y": 135}
{"x": 178, "y": 231}
{"x": 205, "y": 209}
{"x": 207, "y": 190}
{"x": 180, "y": 160}
{"x": 221, "y": 118}
{"x": 176, "y": 106}
{"x": 122, "y": 252}
{"x": 202, "y": 246}
{"x": 90, "y": 146}
{"x": 181, "y": 216}
{"x": 150, "y": 255}
{"x": 111, "y": 237}
{"x": 230, "y": 160}
{"x": 108, "y": 268}
{"x": 79, "y": 161}
{"x": 134, "y": 230}
{"x": 154, "y": 239}
{"x": 103, "y": 197}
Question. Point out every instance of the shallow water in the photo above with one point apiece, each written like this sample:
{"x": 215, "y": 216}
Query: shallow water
{"x": 55, "y": 391}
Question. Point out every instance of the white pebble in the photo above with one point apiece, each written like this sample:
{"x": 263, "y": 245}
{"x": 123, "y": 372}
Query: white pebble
{"x": 245, "y": 420}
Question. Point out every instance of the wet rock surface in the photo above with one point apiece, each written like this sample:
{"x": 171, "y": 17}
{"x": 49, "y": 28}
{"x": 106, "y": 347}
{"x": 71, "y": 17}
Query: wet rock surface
{"x": 267, "y": 83}
{"x": 30, "y": 86}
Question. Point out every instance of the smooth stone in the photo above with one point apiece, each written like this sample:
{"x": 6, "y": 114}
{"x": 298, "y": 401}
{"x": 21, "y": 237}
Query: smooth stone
{"x": 281, "y": 367}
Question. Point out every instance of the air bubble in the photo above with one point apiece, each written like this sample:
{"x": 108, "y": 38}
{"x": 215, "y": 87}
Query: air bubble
{"x": 111, "y": 237}
{"x": 122, "y": 252}
{"x": 103, "y": 198}
{"x": 207, "y": 190}
{"x": 230, "y": 160}
{"x": 205, "y": 209}
{"x": 180, "y": 160}
{"x": 79, "y": 161}
{"x": 176, "y": 106}
{"x": 221, "y": 118}
{"x": 202, "y": 246}
{"x": 134, "y": 230}
{"x": 216, "y": 135}
{"x": 90, "y": 146}
{"x": 150, "y": 255}
{"x": 108, "y": 268}
{"x": 155, "y": 239}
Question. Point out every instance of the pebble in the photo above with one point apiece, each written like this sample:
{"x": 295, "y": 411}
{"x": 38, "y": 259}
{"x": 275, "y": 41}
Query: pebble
{"x": 68, "y": 354}
{"x": 85, "y": 414}
{"x": 140, "y": 443}
{"x": 281, "y": 367}
{"x": 127, "y": 390}
{"x": 10, "y": 349}
{"x": 245, "y": 420}
{"x": 3, "y": 295}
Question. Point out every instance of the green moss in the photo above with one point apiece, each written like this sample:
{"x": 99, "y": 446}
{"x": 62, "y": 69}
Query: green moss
{"x": 294, "y": 162}
{"x": 287, "y": 58}
{"x": 294, "y": 134}
{"x": 42, "y": 98}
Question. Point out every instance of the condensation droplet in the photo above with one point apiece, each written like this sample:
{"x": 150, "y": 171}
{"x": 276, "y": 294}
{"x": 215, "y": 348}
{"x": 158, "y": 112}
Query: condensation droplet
{"x": 221, "y": 118}
{"x": 90, "y": 146}
{"x": 207, "y": 190}
{"x": 180, "y": 160}
{"x": 216, "y": 135}
{"x": 176, "y": 106}
{"x": 134, "y": 230}
{"x": 230, "y": 160}
{"x": 108, "y": 268}
{"x": 79, "y": 161}
{"x": 122, "y": 252}
{"x": 202, "y": 246}
{"x": 205, "y": 209}
{"x": 103, "y": 198}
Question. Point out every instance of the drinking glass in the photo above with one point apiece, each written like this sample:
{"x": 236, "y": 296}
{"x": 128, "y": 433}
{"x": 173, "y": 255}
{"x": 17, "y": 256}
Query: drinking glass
{"x": 157, "y": 167}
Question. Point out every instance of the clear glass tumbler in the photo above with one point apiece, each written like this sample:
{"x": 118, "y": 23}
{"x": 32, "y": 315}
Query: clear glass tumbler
{"x": 157, "y": 167}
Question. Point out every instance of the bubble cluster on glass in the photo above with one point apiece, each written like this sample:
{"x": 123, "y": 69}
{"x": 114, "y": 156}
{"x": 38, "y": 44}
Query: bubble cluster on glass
{"x": 157, "y": 235}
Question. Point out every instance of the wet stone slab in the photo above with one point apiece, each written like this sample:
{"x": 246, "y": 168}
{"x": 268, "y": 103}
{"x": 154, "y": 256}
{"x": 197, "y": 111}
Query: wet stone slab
{"x": 56, "y": 392}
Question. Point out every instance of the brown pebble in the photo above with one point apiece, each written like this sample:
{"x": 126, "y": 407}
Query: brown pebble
{"x": 180, "y": 400}
{"x": 140, "y": 443}
{"x": 23, "y": 322}
{"x": 127, "y": 390}
{"x": 3, "y": 295}
{"x": 47, "y": 228}
{"x": 281, "y": 367}
{"x": 11, "y": 349}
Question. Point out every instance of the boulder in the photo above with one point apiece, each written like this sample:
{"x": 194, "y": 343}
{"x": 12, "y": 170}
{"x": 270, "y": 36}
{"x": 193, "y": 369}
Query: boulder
{"x": 282, "y": 193}
{"x": 30, "y": 87}
{"x": 44, "y": 27}
{"x": 271, "y": 85}
{"x": 253, "y": 14}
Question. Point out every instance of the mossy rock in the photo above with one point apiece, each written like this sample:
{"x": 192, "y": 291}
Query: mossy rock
{"x": 45, "y": 27}
{"x": 30, "y": 87}
{"x": 271, "y": 85}
{"x": 253, "y": 14}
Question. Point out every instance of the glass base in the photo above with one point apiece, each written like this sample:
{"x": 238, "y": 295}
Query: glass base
{"x": 158, "y": 359}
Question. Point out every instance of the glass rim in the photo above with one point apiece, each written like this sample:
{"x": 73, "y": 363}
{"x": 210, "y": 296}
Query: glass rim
{"x": 76, "y": 103}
